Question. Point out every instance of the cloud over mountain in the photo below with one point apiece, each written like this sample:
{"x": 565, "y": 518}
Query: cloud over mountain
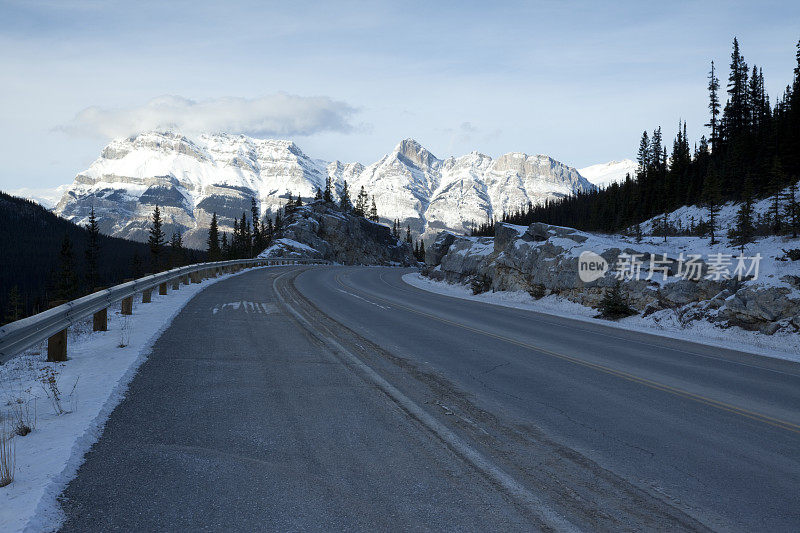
{"x": 277, "y": 115}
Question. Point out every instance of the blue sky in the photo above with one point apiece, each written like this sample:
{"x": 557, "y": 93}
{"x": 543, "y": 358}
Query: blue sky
{"x": 347, "y": 80}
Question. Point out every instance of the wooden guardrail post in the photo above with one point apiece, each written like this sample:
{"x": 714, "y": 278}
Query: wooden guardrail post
{"x": 147, "y": 296}
{"x": 176, "y": 284}
{"x": 162, "y": 288}
{"x": 126, "y": 307}
{"x": 195, "y": 277}
{"x": 186, "y": 279}
{"x": 57, "y": 343}
{"x": 100, "y": 320}
{"x": 57, "y": 347}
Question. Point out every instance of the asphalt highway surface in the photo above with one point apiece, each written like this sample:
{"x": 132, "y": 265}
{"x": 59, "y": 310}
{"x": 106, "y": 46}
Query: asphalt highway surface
{"x": 342, "y": 398}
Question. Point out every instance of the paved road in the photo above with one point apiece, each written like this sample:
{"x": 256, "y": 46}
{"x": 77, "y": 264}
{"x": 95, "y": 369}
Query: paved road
{"x": 350, "y": 400}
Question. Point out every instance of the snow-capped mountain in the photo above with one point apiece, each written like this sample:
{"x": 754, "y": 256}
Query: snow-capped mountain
{"x": 604, "y": 174}
{"x": 220, "y": 173}
{"x": 46, "y": 196}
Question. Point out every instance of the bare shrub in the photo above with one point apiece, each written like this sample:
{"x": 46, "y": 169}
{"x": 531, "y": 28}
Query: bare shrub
{"x": 125, "y": 331}
{"x": 23, "y": 417}
{"x": 49, "y": 380}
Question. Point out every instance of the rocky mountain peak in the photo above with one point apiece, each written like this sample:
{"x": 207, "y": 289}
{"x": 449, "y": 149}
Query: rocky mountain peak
{"x": 193, "y": 178}
{"x": 411, "y": 151}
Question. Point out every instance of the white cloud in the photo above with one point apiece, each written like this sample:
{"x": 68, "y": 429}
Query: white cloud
{"x": 281, "y": 114}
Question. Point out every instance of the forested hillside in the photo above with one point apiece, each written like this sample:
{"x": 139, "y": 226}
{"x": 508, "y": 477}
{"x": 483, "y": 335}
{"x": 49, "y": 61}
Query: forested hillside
{"x": 46, "y": 258}
{"x": 752, "y": 151}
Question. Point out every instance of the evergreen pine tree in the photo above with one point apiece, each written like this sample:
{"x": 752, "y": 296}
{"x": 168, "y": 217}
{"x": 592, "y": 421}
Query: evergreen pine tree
{"x": 373, "y": 211}
{"x": 614, "y": 305}
{"x": 225, "y": 247}
{"x": 328, "y": 194}
{"x": 643, "y": 156}
{"x": 299, "y": 201}
{"x": 422, "y": 250}
{"x": 236, "y": 240}
{"x": 247, "y": 240}
{"x": 92, "y": 252}
{"x": 66, "y": 280}
{"x": 156, "y": 241}
{"x": 213, "y": 239}
{"x": 408, "y": 234}
{"x": 776, "y": 189}
{"x": 362, "y": 203}
{"x": 318, "y": 194}
{"x": 712, "y": 200}
{"x": 737, "y": 91}
{"x": 742, "y": 233}
{"x": 176, "y": 250}
{"x": 344, "y": 200}
{"x": 254, "y": 213}
{"x": 656, "y": 146}
{"x": 713, "y": 106}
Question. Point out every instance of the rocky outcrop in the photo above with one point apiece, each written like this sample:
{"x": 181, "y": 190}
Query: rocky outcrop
{"x": 544, "y": 259}
{"x": 323, "y": 231}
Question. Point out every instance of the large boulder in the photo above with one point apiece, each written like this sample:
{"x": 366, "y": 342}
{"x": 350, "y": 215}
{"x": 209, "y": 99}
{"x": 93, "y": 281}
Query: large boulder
{"x": 754, "y": 307}
{"x": 439, "y": 247}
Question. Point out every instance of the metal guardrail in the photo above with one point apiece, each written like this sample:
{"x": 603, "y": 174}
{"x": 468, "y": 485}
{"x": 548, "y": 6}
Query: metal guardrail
{"x": 17, "y": 336}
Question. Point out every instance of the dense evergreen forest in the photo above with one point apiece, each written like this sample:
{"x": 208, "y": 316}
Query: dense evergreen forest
{"x": 752, "y": 151}
{"x": 46, "y": 258}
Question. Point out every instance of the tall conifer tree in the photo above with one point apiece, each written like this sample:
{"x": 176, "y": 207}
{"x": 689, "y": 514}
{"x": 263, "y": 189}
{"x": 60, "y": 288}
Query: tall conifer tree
{"x": 156, "y": 240}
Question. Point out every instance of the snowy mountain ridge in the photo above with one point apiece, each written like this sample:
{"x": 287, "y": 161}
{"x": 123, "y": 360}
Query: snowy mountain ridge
{"x": 219, "y": 173}
{"x": 604, "y": 174}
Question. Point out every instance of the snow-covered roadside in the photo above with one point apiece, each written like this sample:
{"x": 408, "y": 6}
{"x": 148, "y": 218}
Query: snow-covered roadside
{"x": 92, "y": 383}
{"x": 665, "y": 323}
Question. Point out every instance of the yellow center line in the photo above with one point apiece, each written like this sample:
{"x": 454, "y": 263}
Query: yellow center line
{"x": 794, "y": 428}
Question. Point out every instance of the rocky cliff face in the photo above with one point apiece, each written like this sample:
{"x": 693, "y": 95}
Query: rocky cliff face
{"x": 543, "y": 259}
{"x": 192, "y": 178}
{"x": 322, "y": 231}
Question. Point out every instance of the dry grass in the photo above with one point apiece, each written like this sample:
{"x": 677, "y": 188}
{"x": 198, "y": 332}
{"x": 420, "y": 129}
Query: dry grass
{"x": 7, "y": 458}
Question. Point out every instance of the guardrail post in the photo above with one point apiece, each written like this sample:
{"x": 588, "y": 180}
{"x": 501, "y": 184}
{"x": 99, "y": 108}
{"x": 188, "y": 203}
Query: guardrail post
{"x": 186, "y": 280}
{"x": 100, "y": 320}
{"x": 147, "y": 296}
{"x": 176, "y": 284}
{"x": 195, "y": 277}
{"x": 162, "y": 288}
{"x": 57, "y": 347}
{"x": 126, "y": 308}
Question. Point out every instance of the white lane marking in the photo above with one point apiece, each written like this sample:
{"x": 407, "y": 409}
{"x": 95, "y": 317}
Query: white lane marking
{"x": 247, "y": 307}
{"x": 364, "y": 299}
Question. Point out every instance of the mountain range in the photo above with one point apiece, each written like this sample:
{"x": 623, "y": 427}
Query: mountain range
{"x": 219, "y": 173}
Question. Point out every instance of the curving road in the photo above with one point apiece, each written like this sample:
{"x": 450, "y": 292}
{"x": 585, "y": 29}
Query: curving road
{"x": 348, "y": 399}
